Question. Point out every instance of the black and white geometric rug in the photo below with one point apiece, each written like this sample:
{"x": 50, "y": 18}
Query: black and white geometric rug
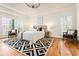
{"x": 37, "y": 49}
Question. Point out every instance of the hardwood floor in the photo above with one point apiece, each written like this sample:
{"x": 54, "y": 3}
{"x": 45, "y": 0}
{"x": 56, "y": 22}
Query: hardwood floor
{"x": 74, "y": 48}
{"x": 63, "y": 48}
{"x": 57, "y": 48}
{"x": 2, "y": 37}
{"x": 7, "y": 51}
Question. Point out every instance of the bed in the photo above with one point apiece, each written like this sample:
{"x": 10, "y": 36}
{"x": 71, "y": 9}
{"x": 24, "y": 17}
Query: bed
{"x": 33, "y": 35}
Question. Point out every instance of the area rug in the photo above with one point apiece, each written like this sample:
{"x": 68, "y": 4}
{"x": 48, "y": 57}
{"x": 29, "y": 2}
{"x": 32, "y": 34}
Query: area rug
{"x": 39, "y": 48}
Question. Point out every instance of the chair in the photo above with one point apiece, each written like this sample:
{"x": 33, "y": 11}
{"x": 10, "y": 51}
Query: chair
{"x": 70, "y": 34}
{"x": 12, "y": 32}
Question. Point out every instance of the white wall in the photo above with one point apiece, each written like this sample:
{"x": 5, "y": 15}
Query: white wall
{"x": 25, "y": 23}
{"x": 53, "y": 20}
{"x": 77, "y": 11}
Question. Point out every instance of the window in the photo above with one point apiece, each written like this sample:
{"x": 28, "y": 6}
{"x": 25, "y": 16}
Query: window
{"x": 6, "y": 25}
{"x": 66, "y": 23}
{"x": 40, "y": 20}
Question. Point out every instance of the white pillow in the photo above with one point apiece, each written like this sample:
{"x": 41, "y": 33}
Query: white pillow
{"x": 70, "y": 32}
{"x": 13, "y": 31}
{"x": 33, "y": 30}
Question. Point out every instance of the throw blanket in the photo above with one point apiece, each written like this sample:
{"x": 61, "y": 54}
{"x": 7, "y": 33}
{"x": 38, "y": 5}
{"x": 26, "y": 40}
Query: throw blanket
{"x": 31, "y": 36}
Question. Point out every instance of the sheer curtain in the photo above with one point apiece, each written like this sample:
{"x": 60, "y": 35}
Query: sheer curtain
{"x": 40, "y": 20}
{"x": 5, "y": 25}
{"x": 66, "y": 23}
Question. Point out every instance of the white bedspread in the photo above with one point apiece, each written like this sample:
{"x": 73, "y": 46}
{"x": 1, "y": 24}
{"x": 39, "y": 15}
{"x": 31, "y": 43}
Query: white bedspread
{"x": 32, "y": 36}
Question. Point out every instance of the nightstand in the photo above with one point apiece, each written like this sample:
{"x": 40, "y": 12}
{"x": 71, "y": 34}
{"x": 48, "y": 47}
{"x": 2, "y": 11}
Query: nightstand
{"x": 47, "y": 34}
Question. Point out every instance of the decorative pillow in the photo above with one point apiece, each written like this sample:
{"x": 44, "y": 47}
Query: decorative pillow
{"x": 70, "y": 32}
{"x": 32, "y": 29}
{"x": 13, "y": 31}
{"x": 40, "y": 29}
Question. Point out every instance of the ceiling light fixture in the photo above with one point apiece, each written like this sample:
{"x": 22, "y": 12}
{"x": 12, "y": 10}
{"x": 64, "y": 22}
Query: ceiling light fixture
{"x": 33, "y": 5}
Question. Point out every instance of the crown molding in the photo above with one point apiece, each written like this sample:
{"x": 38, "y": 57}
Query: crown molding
{"x": 18, "y": 12}
{"x": 15, "y": 10}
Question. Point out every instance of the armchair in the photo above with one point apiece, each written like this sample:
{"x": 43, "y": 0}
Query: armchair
{"x": 71, "y": 34}
{"x": 12, "y": 32}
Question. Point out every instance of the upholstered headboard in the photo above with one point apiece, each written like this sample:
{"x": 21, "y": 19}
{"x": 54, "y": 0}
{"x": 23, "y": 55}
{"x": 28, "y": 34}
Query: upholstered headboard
{"x": 40, "y": 27}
